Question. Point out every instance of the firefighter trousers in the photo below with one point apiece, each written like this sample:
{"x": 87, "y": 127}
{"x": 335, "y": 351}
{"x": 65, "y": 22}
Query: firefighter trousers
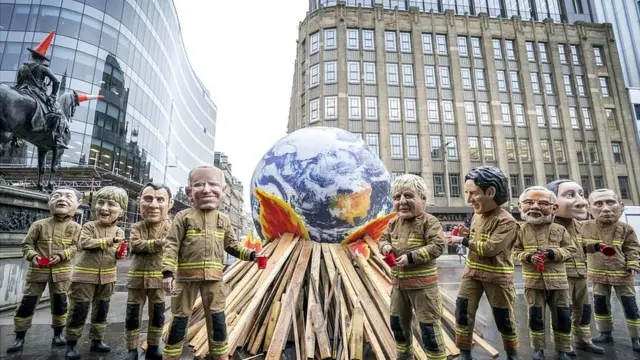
{"x": 135, "y": 304}
{"x": 602, "y": 307}
{"x": 32, "y": 293}
{"x": 428, "y": 306}
{"x": 81, "y": 296}
{"x": 183, "y": 296}
{"x": 580, "y": 311}
{"x": 501, "y": 298}
{"x": 559, "y": 303}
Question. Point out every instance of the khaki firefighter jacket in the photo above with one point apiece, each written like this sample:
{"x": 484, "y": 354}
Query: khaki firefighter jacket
{"x": 196, "y": 244}
{"x": 491, "y": 240}
{"x": 422, "y": 240}
{"x": 576, "y": 265}
{"x": 612, "y": 270}
{"x": 145, "y": 271}
{"x": 96, "y": 262}
{"x": 46, "y": 238}
{"x": 551, "y": 237}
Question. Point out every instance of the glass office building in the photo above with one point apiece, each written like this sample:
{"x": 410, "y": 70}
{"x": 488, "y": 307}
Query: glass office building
{"x": 156, "y": 121}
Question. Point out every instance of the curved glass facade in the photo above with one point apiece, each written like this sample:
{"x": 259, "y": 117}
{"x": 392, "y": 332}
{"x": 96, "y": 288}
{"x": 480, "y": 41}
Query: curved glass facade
{"x": 156, "y": 121}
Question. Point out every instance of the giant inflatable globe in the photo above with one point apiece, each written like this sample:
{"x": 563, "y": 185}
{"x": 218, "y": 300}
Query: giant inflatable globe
{"x": 328, "y": 179}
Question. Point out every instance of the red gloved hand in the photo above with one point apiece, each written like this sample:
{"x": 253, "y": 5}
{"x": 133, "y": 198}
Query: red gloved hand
{"x": 607, "y": 250}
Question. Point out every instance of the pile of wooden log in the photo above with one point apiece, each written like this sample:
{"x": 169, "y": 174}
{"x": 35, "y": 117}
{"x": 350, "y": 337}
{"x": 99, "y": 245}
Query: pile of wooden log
{"x": 327, "y": 301}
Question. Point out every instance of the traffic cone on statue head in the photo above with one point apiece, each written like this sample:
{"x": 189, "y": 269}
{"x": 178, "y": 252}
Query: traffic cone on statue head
{"x": 43, "y": 47}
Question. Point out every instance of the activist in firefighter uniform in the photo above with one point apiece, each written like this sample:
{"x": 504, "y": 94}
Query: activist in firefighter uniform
{"x": 572, "y": 208}
{"x": 94, "y": 274}
{"x": 54, "y": 238}
{"x": 617, "y": 271}
{"x": 489, "y": 267}
{"x": 542, "y": 247}
{"x": 144, "y": 281}
{"x": 194, "y": 253}
{"x": 417, "y": 239}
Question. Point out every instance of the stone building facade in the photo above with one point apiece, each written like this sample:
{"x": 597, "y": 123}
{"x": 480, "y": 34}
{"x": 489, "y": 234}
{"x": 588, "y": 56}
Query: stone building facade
{"x": 233, "y": 202}
{"x": 436, "y": 94}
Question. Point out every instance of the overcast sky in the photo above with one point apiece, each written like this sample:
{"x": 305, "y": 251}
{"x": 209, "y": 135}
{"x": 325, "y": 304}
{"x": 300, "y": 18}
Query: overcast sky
{"x": 245, "y": 58}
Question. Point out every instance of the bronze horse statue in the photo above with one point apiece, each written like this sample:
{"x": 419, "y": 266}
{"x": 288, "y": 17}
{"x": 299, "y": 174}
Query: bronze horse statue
{"x": 16, "y": 113}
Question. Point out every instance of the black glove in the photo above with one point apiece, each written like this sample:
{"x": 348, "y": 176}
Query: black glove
{"x": 550, "y": 254}
{"x": 252, "y": 256}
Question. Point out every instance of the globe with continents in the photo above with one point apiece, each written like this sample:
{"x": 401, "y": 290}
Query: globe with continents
{"x": 329, "y": 177}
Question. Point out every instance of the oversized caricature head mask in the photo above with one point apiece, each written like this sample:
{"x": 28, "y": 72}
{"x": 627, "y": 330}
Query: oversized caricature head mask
{"x": 155, "y": 202}
{"x": 605, "y": 206}
{"x": 409, "y": 193}
{"x": 64, "y": 201}
{"x": 486, "y": 188}
{"x": 110, "y": 203}
{"x": 571, "y": 201}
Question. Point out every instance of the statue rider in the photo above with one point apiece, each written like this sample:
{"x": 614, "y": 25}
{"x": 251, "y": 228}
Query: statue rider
{"x": 31, "y": 80}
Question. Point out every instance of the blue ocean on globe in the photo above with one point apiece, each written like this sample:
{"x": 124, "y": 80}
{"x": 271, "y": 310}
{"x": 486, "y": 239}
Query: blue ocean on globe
{"x": 330, "y": 178}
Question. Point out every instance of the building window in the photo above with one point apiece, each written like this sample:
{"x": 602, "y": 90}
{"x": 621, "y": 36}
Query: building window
{"x": 497, "y": 49}
{"x": 574, "y": 118}
{"x": 469, "y": 112}
{"x": 506, "y": 116}
{"x": 599, "y": 182}
{"x": 392, "y": 74}
{"x": 354, "y": 72}
{"x": 563, "y": 54}
{"x": 371, "y": 108}
{"x": 354, "y": 108}
{"x": 480, "y": 83}
{"x": 567, "y": 85}
{"x": 502, "y": 81}
{"x": 412, "y": 147}
{"x": 546, "y": 152}
{"x": 427, "y": 44}
{"x": 580, "y": 151}
{"x": 329, "y": 39}
{"x": 367, "y": 40}
{"x": 390, "y": 41}
{"x": 580, "y": 85}
{"x": 540, "y": 116}
{"x": 445, "y": 81}
{"x": 314, "y": 44}
{"x": 353, "y": 42}
{"x": 430, "y": 75}
{"x": 586, "y": 118}
{"x": 515, "y": 185}
{"x": 330, "y": 70}
{"x": 559, "y": 147}
{"x": 474, "y": 150}
{"x": 436, "y": 148}
{"x": 438, "y": 185}
{"x": 550, "y": 178}
{"x": 511, "y": 52}
{"x": 511, "y": 149}
{"x": 592, "y": 148}
{"x": 441, "y": 41}
{"x": 575, "y": 56}
{"x": 528, "y": 181}
{"x": 369, "y": 73}
{"x": 616, "y": 147}
{"x": 553, "y": 116}
{"x": 476, "y": 49}
{"x": 611, "y": 119}
{"x": 489, "y": 155}
{"x": 454, "y": 185}
{"x": 395, "y": 175}
{"x": 407, "y": 74}
{"x": 314, "y": 110}
{"x": 531, "y": 55}
{"x": 451, "y": 145}
{"x": 535, "y": 83}
{"x": 484, "y": 113}
{"x": 604, "y": 87}
{"x": 405, "y": 42}
{"x": 542, "y": 50}
{"x": 396, "y": 146}
{"x": 586, "y": 186}
{"x": 394, "y": 109}
{"x": 577, "y": 6}
{"x": 625, "y": 193}
{"x": 409, "y": 109}
{"x": 447, "y": 109}
{"x": 373, "y": 142}
{"x": 432, "y": 110}
{"x": 330, "y": 107}
{"x": 314, "y": 75}
{"x": 597, "y": 54}
{"x": 466, "y": 78}
{"x": 525, "y": 153}
{"x": 515, "y": 81}
{"x": 519, "y": 114}
{"x": 548, "y": 83}
{"x": 462, "y": 46}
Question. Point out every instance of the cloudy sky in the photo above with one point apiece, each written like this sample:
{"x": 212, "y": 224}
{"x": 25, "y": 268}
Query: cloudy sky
{"x": 246, "y": 60}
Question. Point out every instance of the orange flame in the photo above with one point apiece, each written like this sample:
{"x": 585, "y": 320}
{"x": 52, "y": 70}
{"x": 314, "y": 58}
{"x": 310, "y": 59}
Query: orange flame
{"x": 276, "y": 217}
{"x": 360, "y": 247}
{"x": 252, "y": 244}
{"x": 372, "y": 229}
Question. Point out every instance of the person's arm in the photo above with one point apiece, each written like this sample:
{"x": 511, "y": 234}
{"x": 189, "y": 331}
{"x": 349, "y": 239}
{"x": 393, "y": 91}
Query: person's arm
{"x": 565, "y": 251}
{"x": 434, "y": 244}
{"x": 171, "y": 249}
{"x": 89, "y": 242}
{"x": 500, "y": 240}
{"x": 55, "y": 83}
{"x": 630, "y": 249}
{"x": 234, "y": 248}
{"x": 28, "y": 243}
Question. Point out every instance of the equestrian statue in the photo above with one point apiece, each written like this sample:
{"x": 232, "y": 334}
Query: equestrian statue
{"x": 29, "y": 112}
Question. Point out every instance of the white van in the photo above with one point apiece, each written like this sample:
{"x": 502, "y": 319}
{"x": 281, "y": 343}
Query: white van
{"x": 631, "y": 216}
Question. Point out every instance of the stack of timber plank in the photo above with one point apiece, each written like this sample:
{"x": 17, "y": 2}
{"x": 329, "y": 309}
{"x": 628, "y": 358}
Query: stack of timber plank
{"x": 325, "y": 300}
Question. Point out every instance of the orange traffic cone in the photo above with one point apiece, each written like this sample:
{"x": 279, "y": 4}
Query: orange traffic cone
{"x": 80, "y": 97}
{"x": 43, "y": 47}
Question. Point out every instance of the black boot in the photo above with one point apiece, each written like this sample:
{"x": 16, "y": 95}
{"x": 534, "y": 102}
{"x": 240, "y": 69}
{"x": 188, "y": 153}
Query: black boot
{"x": 153, "y": 353}
{"x": 563, "y": 355}
{"x": 60, "y": 143}
{"x": 132, "y": 354}
{"x": 590, "y": 348}
{"x": 513, "y": 357}
{"x": 572, "y": 353}
{"x": 99, "y": 346}
{"x": 538, "y": 354}
{"x": 603, "y": 338}
{"x": 58, "y": 340}
{"x": 465, "y": 355}
{"x": 635, "y": 343}
{"x": 72, "y": 352}
{"x": 18, "y": 343}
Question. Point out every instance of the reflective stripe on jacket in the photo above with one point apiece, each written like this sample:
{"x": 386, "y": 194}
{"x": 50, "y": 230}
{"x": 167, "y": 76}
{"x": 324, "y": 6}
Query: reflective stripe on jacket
{"x": 96, "y": 262}
{"x": 145, "y": 271}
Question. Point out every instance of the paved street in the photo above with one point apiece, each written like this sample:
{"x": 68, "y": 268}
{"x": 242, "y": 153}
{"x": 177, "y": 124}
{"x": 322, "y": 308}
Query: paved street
{"x": 39, "y": 337}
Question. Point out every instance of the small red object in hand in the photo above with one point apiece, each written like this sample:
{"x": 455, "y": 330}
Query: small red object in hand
{"x": 262, "y": 262}
{"x": 44, "y": 261}
{"x": 540, "y": 267}
{"x": 607, "y": 250}
{"x": 455, "y": 231}
{"x": 390, "y": 259}
{"x": 122, "y": 249}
